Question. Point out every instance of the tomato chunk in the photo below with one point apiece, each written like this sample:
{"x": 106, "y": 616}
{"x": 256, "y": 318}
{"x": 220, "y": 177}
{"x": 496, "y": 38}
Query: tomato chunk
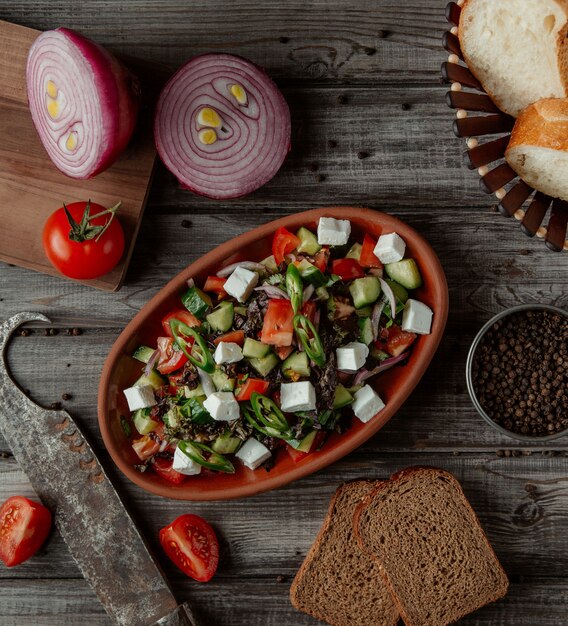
{"x": 145, "y": 447}
{"x": 191, "y": 543}
{"x": 278, "y": 327}
{"x": 347, "y": 269}
{"x": 216, "y": 284}
{"x": 171, "y": 357}
{"x": 250, "y": 386}
{"x": 24, "y": 526}
{"x": 183, "y": 316}
{"x": 235, "y": 336}
{"x": 321, "y": 259}
{"x": 283, "y": 352}
{"x": 309, "y": 309}
{"x": 283, "y": 243}
{"x": 398, "y": 340}
{"x": 368, "y": 257}
{"x": 164, "y": 468}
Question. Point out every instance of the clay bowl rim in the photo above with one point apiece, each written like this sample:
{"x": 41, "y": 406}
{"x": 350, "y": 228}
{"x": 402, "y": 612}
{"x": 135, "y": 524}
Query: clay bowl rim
{"x": 469, "y": 373}
{"x": 351, "y": 439}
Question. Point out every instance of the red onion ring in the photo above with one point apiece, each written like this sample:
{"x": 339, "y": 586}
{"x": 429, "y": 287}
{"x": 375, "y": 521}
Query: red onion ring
{"x": 273, "y": 292}
{"x": 83, "y": 102}
{"x": 376, "y": 318}
{"x": 308, "y": 292}
{"x": 151, "y": 362}
{"x": 254, "y": 136}
{"x": 363, "y": 374}
{"x": 248, "y": 265}
{"x": 389, "y": 293}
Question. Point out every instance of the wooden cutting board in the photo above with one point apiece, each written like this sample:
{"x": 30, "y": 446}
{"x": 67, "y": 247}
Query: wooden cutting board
{"x": 31, "y": 187}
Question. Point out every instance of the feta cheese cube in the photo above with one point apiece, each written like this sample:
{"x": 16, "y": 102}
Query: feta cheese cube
{"x": 390, "y": 248}
{"x": 140, "y": 397}
{"x": 223, "y": 406}
{"x": 184, "y": 465}
{"x": 253, "y": 453}
{"x": 300, "y": 396}
{"x": 241, "y": 283}
{"x": 417, "y": 317}
{"x": 332, "y": 232}
{"x": 367, "y": 403}
{"x": 228, "y": 352}
{"x": 352, "y": 356}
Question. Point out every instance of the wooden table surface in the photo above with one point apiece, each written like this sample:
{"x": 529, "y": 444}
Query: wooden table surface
{"x": 366, "y": 76}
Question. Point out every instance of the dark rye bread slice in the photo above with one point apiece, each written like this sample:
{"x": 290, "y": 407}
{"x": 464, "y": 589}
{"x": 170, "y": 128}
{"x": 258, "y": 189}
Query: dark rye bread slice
{"x": 338, "y": 583}
{"x": 434, "y": 556}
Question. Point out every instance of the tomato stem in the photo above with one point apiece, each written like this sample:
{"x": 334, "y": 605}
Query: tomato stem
{"x": 85, "y": 230}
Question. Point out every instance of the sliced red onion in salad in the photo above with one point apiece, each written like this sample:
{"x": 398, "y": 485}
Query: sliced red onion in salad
{"x": 248, "y": 265}
{"x": 83, "y": 101}
{"x": 376, "y": 318}
{"x": 308, "y": 292}
{"x": 206, "y": 382}
{"x": 389, "y": 295}
{"x": 273, "y": 292}
{"x": 222, "y": 127}
{"x": 364, "y": 374}
{"x": 151, "y": 362}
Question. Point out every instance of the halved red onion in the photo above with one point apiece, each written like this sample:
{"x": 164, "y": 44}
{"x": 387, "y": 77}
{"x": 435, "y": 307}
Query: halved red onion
{"x": 84, "y": 102}
{"x": 222, "y": 127}
{"x": 364, "y": 374}
{"x": 389, "y": 293}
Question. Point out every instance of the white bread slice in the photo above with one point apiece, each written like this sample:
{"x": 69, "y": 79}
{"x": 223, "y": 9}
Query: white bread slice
{"x": 517, "y": 49}
{"x": 538, "y": 149}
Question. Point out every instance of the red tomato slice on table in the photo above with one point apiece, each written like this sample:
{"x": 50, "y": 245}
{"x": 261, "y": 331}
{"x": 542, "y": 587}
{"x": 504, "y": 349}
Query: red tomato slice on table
{"x": 215, "y": 284}
{"x": 171, "y": 357}
{"x": 278, "y": 327}
{"x": 24, "y": 526}
{"x": 283, "y": 243}
{"x": 191, "y": 544}
{"x": 183, "y": 316}
{"x": 398, "y": 340}
{"x": 235, "y": 336}
{"x": 347, "y": 269}
{"x": 368, "y": 257}
{"x": 250, "y": 386}
{"x": 164, "y": 468}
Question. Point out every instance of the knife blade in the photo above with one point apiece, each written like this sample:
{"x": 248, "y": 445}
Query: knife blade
{"x": 69, "y": 478}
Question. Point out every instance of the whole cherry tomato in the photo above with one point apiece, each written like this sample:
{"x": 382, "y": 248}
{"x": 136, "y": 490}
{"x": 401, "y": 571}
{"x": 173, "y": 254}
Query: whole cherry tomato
{"x": 83, "y": 240}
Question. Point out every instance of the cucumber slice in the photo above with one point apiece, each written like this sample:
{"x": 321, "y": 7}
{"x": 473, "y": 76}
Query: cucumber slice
{"x": 365, "y": 330}
{"x": 354, "y": 252}
{"x": 322, "y": 293}
{"x": 342, "y": 397}
{"x": 172, "y": 417}
{"x": 143, "y": 423}
{"x": 311, "y": 273}
{"x": 270, "y": 263}
{"x": 153, "y": 379}
{"x": 405, "y": 272}
{"x": 222, "y": 381}
{"x": 296, "y": 365}
{"x": 365, "y": 291}
{"x": 196, "y": 301}
{"x": 222, "y": 317}
{"x": 241, "y": 310}
{"x": 399, "y": 291}
{"x": 254, "y": 349}
{"x": 226, "y": 443}
{"x": 377, "y": 354}
{"x": 366, "y": 311}
{"x": 305, "y": 444}
{"x": 193, "y": 393}
{"x": 266, "y": 364}
{"x": 143, "y": 354}
{"x": 308, "y": 242}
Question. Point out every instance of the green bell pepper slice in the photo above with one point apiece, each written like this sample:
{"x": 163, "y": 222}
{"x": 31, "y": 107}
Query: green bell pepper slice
{"x": 311, "y": 342}
{"x": 204, "y": 358}
{"x": 294, "y": 287}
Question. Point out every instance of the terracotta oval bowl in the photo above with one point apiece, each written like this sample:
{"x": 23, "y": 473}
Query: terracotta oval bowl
{"x": 394, "y": 386}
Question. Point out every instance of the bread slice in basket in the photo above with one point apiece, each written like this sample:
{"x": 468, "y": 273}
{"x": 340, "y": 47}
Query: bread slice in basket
{"x": 432, "y": 551}
{"x": 517, "y": 49}
{"x": 338, "y": 583}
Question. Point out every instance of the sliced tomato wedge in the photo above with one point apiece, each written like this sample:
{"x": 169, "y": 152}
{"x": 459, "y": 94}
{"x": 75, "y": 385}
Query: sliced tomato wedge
{"x": 321, "y": 259}
{"x": 183, "y": 316}
{"x": 283, "y": 352}
{"x": 24, "y": 526}
{"x": 283, "y": 243}
{"x": 235, "y": 336}
{"x": 145, "y": 447}
{"x": 215, "y": 284}
{"x": 347, "y": 269}
{"x": 164, "y": 468}
{"x": 398, "y": 340}
{"x": 309, "y": 309}
{"x": 368, "y": 257}
{"x": 278, "y": 327}
{"x": 191, "y": 544}
{"x": 171, "y": 357}
{"x": 250, "y": 386}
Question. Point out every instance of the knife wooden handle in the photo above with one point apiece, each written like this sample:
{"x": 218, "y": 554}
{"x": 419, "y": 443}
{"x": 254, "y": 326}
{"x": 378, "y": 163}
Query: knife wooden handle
{"x": 182, "y": 616}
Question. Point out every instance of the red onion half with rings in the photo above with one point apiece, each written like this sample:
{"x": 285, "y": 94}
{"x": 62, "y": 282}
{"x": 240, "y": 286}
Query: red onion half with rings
{"x": 222, "y": 127}
{"x": 84, "y": 102}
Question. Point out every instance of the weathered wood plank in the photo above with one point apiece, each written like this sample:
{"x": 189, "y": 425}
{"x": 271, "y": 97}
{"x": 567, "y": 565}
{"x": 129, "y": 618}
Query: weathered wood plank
{"x": 521, "y": 503}
{"x": 304, "y": 41}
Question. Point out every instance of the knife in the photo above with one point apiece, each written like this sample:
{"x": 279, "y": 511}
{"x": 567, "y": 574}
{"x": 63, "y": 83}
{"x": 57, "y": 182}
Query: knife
{"x": 69, "y": 478}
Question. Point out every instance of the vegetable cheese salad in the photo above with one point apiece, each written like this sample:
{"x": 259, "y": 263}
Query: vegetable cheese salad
{"x": 275, "y": 355}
